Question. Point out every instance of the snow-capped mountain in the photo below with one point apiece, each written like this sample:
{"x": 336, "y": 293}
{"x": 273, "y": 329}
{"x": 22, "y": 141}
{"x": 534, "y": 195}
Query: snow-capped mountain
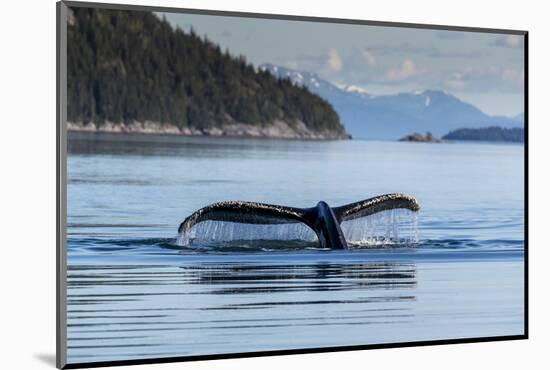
{"x": 393, "y": 116}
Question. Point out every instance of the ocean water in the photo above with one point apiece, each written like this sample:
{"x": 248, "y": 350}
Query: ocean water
{"x": 135, "y": 293}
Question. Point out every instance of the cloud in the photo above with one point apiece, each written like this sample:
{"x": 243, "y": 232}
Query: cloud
{"x": 478, "y": 79}
{"x": 458, "y": 54}
{"x": 512, "y": 75}
{"x": 363, "y": 66}
{"x": 328, "y": 65}
{"x": 306, "y": 63}
{"x": 292, "y": 64}
{"x": 405, "y": 71}
{"x": 431, "y": 51}
{"x": 510, "y": 41}
{"x": 368, "y": 57}
{"x": 449, "y": 35}
{"x": 334, "y": 62}
{"x": 455, "y": 81}
{"x": 404, "y": 47}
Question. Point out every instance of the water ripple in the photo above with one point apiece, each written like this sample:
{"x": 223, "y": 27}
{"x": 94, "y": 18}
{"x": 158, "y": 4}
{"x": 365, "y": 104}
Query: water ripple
{"x": 112, "y": 309}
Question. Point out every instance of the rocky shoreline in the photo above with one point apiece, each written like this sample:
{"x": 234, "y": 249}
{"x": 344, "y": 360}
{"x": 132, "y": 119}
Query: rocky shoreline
{"x": 277, "y": 130}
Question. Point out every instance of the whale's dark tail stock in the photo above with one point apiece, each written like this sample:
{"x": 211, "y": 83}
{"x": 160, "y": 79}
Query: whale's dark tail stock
{"x": 324, "y": 220}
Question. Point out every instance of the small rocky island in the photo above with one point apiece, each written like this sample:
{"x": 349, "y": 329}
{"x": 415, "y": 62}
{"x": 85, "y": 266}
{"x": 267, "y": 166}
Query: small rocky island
{"x": 419, "y": 138}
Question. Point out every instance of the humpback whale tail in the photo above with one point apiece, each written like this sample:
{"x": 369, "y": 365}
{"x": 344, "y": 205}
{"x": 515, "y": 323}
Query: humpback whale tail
{"x": 322, "y": 219}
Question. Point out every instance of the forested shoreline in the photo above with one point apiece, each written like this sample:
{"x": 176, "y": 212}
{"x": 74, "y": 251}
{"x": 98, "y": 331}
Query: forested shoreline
{"x": 131, "y": 71}
{"x": 494, "y": 133}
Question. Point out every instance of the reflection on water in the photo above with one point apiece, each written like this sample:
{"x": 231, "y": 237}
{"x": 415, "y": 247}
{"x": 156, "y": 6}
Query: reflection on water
{"x": 247, "y": 304}
{"x": 150, "y": 311}
{"x": 170, "y": 145}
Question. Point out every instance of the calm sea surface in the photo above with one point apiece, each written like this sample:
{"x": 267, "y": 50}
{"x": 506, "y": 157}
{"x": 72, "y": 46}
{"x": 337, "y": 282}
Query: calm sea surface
{"x": 134, "y": 293}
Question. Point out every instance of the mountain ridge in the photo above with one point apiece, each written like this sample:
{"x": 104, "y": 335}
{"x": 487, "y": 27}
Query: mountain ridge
{"x": 393, "y": 116}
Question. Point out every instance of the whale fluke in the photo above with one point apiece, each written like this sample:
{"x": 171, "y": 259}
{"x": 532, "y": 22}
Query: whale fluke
{"x": 374, "y": 205}
{"x": 322, "y": 219}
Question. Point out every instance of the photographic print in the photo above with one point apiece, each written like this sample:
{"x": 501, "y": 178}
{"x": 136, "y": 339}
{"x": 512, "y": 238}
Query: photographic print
{"x": 241, "y": 185}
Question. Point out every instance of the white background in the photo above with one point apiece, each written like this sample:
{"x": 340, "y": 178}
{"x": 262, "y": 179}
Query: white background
{"x": 27, "y": 145}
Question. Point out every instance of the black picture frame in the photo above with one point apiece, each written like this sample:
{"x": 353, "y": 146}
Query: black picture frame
{"x": 61, "y": 196}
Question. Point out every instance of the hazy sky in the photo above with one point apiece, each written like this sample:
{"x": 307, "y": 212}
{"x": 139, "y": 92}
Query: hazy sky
{"x": 486, "y": 70}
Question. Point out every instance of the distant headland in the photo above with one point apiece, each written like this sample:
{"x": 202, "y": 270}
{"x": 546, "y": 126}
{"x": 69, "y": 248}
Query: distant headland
{"x": 493, "y": 133}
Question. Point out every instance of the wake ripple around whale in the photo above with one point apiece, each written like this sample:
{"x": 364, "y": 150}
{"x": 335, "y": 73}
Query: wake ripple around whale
{"x": 166, "y": 247}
